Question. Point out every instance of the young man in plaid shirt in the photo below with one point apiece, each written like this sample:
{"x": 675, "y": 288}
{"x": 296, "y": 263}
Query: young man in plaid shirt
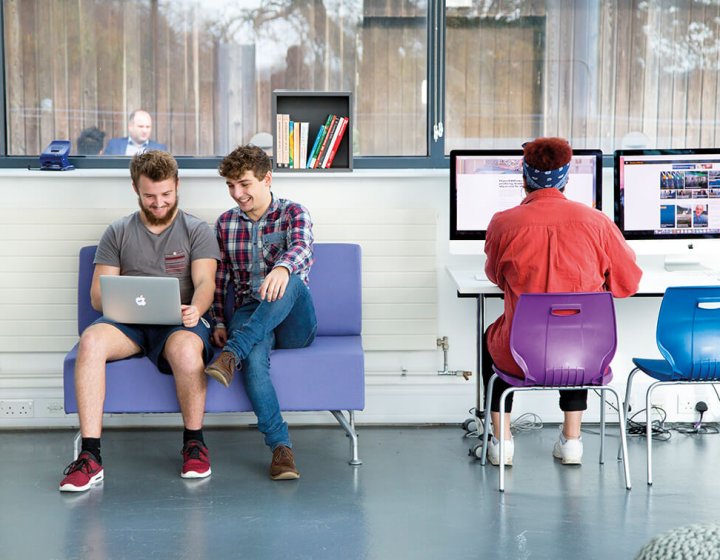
{"x": 266, "y": 252}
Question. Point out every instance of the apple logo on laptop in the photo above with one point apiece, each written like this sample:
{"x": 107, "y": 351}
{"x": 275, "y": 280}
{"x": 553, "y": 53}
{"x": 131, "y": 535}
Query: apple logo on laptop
{"x": 140, "y": 300}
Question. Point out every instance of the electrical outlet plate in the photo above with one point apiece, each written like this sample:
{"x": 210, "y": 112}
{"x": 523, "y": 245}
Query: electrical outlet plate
{"x": 685, "y": 405}
{"x": 50, "y": 408}
{"x": 16, "y": 408}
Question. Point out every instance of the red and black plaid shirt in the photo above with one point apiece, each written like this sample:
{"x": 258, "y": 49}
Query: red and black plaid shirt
{"x": 249, "y": 250}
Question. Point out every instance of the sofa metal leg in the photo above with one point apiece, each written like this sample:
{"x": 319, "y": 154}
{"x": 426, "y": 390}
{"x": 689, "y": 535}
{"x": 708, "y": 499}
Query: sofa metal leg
{"x": 77, "y": 442}
{"x": 349, "y": 428}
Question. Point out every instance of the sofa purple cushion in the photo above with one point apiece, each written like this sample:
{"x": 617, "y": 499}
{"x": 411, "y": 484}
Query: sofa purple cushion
{"x": 327, "y": 375}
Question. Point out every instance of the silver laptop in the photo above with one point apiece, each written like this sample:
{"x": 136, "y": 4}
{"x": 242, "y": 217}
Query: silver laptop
{"x": 149, "y": 300}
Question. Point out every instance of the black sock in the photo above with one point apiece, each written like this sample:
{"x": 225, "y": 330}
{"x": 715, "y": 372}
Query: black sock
{"x": 92, "y": 445}
{"x": 197, "y": 435}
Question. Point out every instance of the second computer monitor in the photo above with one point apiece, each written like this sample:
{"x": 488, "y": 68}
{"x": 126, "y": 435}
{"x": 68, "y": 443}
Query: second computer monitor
{"x": 483, "y": 182}
{"x": 668, "y": 194}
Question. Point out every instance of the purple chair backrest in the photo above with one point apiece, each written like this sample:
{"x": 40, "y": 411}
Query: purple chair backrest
{"x": 565, "y": 338}
{"x": 335, "y": 283}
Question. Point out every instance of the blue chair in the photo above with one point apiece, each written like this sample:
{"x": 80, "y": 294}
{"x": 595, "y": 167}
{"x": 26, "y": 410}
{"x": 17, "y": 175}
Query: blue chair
{"x": 688, "y": 336}
{"x": 561, "y": 341}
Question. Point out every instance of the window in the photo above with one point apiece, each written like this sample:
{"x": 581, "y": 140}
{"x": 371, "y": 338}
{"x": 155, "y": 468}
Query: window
{"x": 602, "y": 73}
{"x": 204, "y": 71}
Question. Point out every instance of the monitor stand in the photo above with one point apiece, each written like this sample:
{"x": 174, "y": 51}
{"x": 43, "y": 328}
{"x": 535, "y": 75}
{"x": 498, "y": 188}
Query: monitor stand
{"x": 684, "y": 263}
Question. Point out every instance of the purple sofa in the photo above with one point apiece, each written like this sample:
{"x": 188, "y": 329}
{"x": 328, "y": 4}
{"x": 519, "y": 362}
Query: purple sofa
{"x": 327, "y": 375}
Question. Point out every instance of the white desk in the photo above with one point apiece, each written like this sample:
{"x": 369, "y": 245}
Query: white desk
{"x": 654, "y": 281}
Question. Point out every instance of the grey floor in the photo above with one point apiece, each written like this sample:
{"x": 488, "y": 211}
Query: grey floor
{"x": 418, "y": 495}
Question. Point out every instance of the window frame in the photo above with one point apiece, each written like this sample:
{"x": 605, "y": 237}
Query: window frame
{"x": 435, "y": 117}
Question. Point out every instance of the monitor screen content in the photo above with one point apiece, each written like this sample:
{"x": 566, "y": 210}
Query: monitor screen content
{"x": 483, "y": 182}
{"x": 667, "y": 194}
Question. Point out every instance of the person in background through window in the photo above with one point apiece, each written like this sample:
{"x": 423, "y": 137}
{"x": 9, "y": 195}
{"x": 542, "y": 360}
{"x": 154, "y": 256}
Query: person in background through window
{"x": 548, "y": 244}
{"x": 90, "y": 142}
{"x": 138, "y": 138}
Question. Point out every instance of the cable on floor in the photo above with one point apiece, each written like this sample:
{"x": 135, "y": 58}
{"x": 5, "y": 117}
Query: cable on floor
{"x": 658, "y": 430}
{"x": 526, "y": 423}
{"x": 523, "y": 423}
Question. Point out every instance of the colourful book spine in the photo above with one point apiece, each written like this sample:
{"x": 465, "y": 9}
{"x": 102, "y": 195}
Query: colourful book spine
{"x": 286, "y": 125}
{"x": 333, "y": 139}
{"x": 323, "y": 149}
{"x": 316, "y": 146}
{"x": 316, "y": 152}
{"x": 296, "y": 146}
{"x": 304, "y": 131}
{"x": 338, "y": 140}
{"x": 278, "y": 141}
{"x": 291, "y": 144}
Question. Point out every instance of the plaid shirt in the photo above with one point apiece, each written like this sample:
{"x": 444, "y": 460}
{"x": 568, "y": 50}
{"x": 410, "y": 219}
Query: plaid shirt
{"x": 249, "y": 250}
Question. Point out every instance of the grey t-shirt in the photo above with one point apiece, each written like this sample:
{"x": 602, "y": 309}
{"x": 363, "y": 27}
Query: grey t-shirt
{"x": 129, "y": 245}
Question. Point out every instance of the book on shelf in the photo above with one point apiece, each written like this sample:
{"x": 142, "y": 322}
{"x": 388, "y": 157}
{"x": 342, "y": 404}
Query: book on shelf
{"x": 316, "y": 146}
{"x": 278, "y": 140}
{"x": 291, "y": 144}
{"x": 286, "y": 147}
{"x": 331, "y": 142}
{"x": 336, "y": 141}
{"x": 281, "y": 142}
{"x": 304, "y": 130}
{"x": 298, "y": 146}
{"x": 330, "y": 130}
{"x": 319, "y": 139}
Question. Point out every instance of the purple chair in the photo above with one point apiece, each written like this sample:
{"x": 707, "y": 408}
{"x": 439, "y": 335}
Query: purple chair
{"x": 561, "y": 341}
{"x": 327, "y": 375}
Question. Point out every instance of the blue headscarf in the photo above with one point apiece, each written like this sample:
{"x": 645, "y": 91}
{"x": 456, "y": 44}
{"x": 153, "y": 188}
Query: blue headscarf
{"x": 554, "y": 178}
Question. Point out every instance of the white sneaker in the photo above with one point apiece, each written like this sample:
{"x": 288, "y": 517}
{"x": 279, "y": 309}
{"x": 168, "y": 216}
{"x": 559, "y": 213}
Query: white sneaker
{"x": 569, "y": 451}
{"x": 493, "y": 452}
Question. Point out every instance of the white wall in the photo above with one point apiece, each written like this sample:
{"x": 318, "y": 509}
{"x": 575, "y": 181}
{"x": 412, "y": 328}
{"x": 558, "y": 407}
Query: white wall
{"x": 402, "y": 385}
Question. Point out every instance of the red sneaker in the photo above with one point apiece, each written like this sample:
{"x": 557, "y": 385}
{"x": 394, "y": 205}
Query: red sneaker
{"x": 196, "y": 460}
{"x": 82, "y": 473}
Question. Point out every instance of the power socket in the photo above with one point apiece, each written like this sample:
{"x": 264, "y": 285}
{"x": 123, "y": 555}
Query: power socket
{"x": 15, "y": 408}
{"x": 686, "y": 405}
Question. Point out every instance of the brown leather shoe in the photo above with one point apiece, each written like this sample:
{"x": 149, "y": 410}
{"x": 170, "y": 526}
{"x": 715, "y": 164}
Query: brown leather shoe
{"x": 222, "y": 369}
{"x": 283, "y": 464}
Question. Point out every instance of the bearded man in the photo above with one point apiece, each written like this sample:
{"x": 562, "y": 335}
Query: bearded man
{"x": 157, "y": 240}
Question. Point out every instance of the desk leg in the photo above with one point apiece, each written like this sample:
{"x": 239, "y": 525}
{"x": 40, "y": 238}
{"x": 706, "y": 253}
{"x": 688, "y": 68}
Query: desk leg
{"x": 476, "y": 424}
{"x": 479, "y": 401}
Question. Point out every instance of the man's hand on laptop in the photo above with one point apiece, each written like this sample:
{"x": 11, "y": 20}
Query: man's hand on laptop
{"x": 190, "y": 315}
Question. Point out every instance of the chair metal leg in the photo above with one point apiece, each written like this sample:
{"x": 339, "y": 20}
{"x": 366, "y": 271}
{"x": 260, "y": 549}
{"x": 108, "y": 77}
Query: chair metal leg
{"x": 623, "y": 437}
{"x": 349, "y": 428}
{"x": 501, "y": 429}
{"x": 626, "y": 402}
{"x": 77, "y": 443}
{"x": 602, "y": 426}
{"x": 488, "y": 421}
{"x": 648, "y": 430}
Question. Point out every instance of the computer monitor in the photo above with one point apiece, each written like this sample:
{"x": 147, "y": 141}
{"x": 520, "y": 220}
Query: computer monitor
{"x": 483, "y": 182}
{"x": 667, "y": 202}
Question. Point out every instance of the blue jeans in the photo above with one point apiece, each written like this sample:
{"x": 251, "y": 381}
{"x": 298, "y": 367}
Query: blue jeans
{"x": 255, "y": 329}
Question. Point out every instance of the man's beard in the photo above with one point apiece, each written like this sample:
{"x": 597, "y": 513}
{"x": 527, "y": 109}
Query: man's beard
{"x": 153, "y": 221}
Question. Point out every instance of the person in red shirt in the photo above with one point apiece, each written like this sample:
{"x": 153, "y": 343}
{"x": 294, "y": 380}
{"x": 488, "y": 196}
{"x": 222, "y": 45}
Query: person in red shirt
{"x": 549, "y": 244}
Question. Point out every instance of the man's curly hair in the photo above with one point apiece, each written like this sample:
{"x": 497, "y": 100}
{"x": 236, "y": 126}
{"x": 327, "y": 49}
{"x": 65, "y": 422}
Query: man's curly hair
{"x": 547, "y": 153}
{"x": 245, "y": 158}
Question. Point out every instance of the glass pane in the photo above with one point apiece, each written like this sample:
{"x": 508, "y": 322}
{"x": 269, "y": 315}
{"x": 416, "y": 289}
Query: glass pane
{"x": 204, "y": 71}
{"x": 620, "y": 74}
